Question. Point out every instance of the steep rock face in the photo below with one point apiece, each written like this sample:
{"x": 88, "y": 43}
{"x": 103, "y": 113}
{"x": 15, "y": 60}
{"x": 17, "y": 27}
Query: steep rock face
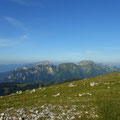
{"x": 89, "y": 68}
{"x": 51, "y": 73}
{"x": 39, "y": 73}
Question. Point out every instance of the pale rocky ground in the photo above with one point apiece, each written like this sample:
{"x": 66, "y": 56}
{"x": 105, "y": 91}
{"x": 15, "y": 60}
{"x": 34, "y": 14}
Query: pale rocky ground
{"x": 48, "y": 112}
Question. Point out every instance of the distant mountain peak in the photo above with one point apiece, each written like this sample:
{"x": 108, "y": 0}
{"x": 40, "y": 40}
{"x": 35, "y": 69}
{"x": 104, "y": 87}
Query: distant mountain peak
{"x": 43, "y": 63}
{"x": 85, "y": 62}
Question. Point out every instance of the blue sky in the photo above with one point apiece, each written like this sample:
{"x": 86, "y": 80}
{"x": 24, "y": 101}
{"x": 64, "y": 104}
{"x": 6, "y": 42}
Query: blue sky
{"x": 59, "y": 30}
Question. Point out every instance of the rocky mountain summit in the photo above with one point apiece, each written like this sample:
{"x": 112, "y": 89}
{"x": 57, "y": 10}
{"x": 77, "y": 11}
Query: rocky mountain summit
{"x": 43, "y": 63}
{"x": 86, "y": 62}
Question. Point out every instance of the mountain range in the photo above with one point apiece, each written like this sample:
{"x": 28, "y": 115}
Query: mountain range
{"x": 46, "y": 72}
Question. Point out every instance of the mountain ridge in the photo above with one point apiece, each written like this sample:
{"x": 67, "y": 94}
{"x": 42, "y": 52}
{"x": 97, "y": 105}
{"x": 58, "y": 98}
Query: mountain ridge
{"x": 52, "y": 73}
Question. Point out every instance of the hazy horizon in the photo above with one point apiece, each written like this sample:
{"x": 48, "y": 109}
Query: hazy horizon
{"x": 55, "y": 62}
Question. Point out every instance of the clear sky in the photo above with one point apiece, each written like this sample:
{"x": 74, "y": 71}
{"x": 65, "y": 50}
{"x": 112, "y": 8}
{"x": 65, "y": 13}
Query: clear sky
{"x": 59, "y": 30}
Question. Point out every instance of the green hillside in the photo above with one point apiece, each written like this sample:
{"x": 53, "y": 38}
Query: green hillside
{"x": 95, "y": 98}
